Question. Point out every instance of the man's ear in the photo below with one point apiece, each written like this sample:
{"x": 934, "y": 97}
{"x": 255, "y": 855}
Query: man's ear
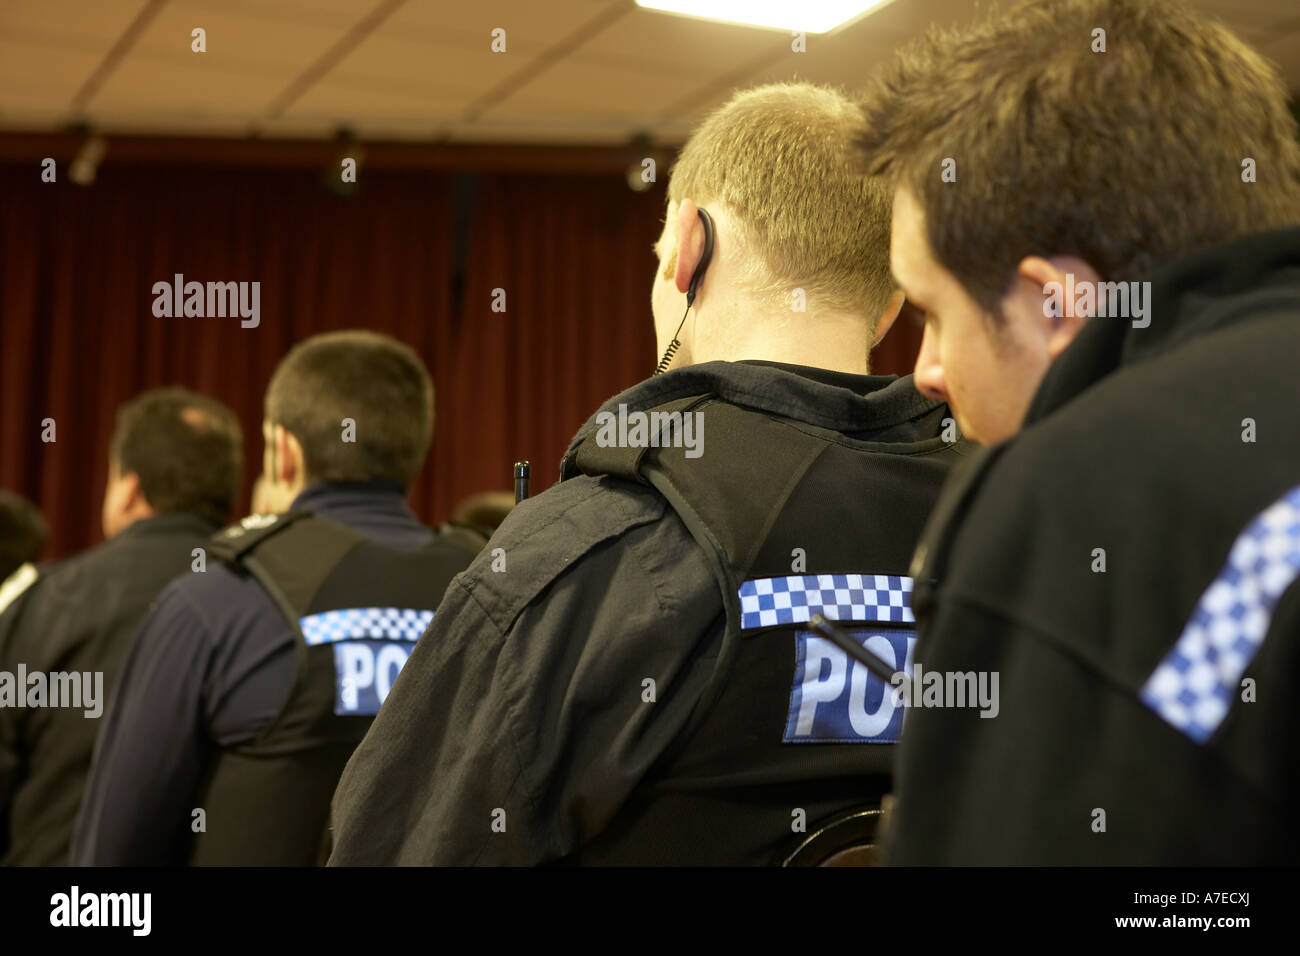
{"x": 288, "y": 453}
{"x": 886, "y": 321}
{"x": 690, "y": 243}
{"x": 1044, "y": 299}
{"x": 133, "y": 499}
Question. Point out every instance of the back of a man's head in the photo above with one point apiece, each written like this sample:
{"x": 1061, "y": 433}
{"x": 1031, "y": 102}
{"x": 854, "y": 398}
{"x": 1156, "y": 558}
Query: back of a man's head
{"x": 776, "y": 158}
{"x": 186, "y": 449}
{"x": 1127, "y": 133}
{"x": 359, "y": 403}
{"x": 22, "y": 532}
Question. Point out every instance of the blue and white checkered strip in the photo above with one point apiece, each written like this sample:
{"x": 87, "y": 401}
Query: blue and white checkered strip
{"x": 1196, "y": 683}
{"x": 390, "y": 623}
{"x": 837, "y": 597}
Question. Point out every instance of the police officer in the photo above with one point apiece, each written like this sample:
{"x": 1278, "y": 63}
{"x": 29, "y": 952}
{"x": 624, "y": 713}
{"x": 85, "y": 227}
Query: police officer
{"x": 254, "y": 677}
{"x": 1113, "y": 304}
{"x": 625, "y": 674}
{"x": 22, "y": 537}
{"x": 173, "y": 476}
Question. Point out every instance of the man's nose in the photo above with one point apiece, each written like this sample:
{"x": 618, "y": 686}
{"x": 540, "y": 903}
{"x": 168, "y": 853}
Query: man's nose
{"x": 928, "y": 374}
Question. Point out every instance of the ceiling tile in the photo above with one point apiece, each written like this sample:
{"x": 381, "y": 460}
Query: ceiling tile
{"x": 407, "y": 63}
{"x": 141, "y": 86}
{"x": 574, "y": 89}
{"x": 659, "y": 42}
{"x": 37, "y": 79}
{"x": 338, "y": 100}
{"x": 101, "y": 21}
{"x": 428, "y": 70}
{"x": 235, "y": 39}
{"x": 531, "y": 27}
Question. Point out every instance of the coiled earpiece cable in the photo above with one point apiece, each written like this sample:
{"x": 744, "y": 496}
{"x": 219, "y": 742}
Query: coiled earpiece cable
{"x": 696, "y": 278}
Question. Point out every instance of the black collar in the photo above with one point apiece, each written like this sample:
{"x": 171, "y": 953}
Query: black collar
{"x": 1198, "y": 294}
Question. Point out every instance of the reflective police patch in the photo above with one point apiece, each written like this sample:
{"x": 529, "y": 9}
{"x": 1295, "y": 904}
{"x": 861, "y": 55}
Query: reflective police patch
{"x": 1197, "y": 682}
{"x": 396, "y": 623}
{"x": 366, "y": 671}
{"x": 837, "y": 700}
{"x": 371, "y": 644}
{"x": 794, "y": 599}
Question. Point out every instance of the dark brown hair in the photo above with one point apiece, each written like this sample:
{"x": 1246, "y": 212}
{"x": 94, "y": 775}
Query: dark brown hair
{"x": 186, "y": 448}
{"x": 22, "y": 532}
{"x": 372, "y": 379}
{"x": 1127, "y": 158}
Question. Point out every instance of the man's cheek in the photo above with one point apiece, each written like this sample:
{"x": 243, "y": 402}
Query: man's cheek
{"x": 959, "y": 401}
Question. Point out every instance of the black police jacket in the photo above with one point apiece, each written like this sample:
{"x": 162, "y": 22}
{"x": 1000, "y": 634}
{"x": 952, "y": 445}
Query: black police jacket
{"x": 78, "y": 621}
{"x": 621, "y": 676}
{"x": 1127, "y": 566}
{"x": 357, "y": 609}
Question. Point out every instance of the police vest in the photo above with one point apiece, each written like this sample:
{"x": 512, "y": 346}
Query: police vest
{"x": 357, "y": 608}
{"x": 798, "y": 520}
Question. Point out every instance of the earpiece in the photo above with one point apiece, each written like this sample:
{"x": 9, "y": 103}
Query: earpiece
{"x": 696, "y": 278}
{"x": 698, "y": 275}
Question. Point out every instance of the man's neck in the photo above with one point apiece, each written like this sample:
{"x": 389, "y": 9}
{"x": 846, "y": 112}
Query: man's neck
{"x": 838, "y": 342}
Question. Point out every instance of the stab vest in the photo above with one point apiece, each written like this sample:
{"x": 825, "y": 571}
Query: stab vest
{"x": 357, "y": 608}
{"x": 797, "y": 520}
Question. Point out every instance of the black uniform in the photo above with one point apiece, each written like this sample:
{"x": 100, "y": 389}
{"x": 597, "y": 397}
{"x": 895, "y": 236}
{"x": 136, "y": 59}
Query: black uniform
{"x": 621, "y": 676}
{"x": 78, "y": 618}
{"x": 1147, "y": 711}
{"x": 250, "y": 684}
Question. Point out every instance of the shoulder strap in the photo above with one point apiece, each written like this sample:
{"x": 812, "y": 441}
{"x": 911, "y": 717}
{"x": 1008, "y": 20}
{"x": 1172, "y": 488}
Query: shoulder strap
{"x": 592, "y": 457}
{"x": 290, "y": 556}
{"x": 232, "y": 543}
{"x": 705, "y": 491}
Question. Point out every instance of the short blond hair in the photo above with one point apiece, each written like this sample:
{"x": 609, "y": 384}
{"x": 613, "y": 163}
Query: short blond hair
{"x": 779, "y": 159}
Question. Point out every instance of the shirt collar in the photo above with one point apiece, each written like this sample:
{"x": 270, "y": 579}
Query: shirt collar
{"x": 169, "y": 522}
{"x": 852, "y": 404}
{"x": 835, "y": 400}
{"x": 341, "y": 500}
